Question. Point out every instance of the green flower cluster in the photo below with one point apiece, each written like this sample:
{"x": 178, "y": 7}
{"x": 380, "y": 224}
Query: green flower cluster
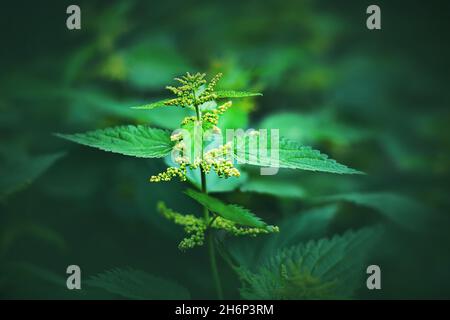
{"x": 170, "y": 173}
{"x": 195, "y": 91}
{"x": 218, "y": 159}
{"x": 236, "y": 230}
{"x": 196, "y": 227}
{"x": 189, "y": 152}
{"x": 211, "y": 117}
{"x": 190, "y": 92}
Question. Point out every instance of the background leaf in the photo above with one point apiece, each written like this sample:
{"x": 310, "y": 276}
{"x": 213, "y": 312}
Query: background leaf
{"x": 153, "y": 63}
{"x": 20, "y": 172}
{"x": 235, "y": 94}
{"x": 153, "y": 105}
{"x": 402, "y": 210}
{"x": 282, "y": 189}
{"x": 314, "y": 127}
{"x": 136, "y": 284}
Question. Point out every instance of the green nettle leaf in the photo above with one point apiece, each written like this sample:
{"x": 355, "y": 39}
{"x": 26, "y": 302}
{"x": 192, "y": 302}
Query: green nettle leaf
{"x": 294, "y": 156}
{"x": 138, "y": 141}
{"x": 311, "y": 224}
{"x": 308, "y": 225}
{"x": 314, "y": 127}
{"x": 136, "y": 284}
{"x": 235, "y": 94}
{"x": 323, "y": 269}
{"x": 153, "y": 105}
{"x": 402, "y": 210}
{"x": 230, "y": 212}
{"x": 276, "y": 188}
{"x": 326, "y": 268}
{"x": 18, "y": 173}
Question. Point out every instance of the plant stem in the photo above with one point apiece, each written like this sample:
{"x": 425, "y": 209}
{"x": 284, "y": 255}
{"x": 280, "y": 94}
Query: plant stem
{"x": 209, "y": 235}
{"x": 211, "y": 248}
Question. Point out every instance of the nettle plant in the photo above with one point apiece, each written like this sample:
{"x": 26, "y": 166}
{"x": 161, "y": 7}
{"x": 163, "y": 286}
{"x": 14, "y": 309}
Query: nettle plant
{"x": 198, "y": 145}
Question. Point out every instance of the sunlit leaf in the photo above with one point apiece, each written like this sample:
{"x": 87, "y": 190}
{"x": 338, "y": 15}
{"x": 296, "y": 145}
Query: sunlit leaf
{"x": 137, "y": 141}
{"x": 292, "y": 155}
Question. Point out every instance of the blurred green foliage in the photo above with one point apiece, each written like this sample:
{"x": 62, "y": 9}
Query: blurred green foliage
{"x": 376, "y": 101}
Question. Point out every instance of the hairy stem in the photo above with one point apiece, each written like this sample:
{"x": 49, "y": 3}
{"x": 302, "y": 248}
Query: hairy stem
{"x": 209, "y": 235}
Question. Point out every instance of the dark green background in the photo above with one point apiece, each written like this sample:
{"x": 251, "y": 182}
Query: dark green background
{"x": 387, "y": 89}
